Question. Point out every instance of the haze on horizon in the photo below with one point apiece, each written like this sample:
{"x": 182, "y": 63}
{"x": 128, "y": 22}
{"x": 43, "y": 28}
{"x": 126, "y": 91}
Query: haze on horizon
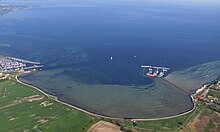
{"x": 206, "y": 3}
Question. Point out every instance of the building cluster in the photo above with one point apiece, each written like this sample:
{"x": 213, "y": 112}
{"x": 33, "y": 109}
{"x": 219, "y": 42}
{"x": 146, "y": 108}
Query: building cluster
{"x": 10, "y": 65}
{"x": 216, "y": 85}
{"x": 211, "y": 96}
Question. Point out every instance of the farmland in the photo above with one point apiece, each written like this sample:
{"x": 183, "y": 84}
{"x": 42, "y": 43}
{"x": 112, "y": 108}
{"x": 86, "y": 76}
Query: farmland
{"x": 21, "y": 109}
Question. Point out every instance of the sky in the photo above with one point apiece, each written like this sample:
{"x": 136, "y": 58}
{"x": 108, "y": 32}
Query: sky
{"x": 205, "y": 3}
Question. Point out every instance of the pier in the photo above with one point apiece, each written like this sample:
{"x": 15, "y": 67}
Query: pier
{"x": 157, "y": 71}
{"x": 22, "y": 60}
{"x": 33, "y": 67}
{"x": 154, "y": 71}
{"x": 157, "y": 67}
{"x": 11, "y": 64}
{"x": 182, "y": 89}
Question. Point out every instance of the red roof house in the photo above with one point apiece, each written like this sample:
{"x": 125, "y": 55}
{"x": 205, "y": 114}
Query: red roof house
{"x": 200, "y": 97}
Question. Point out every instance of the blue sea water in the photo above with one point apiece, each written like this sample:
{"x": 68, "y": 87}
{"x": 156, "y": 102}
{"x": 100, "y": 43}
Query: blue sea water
{"x": 75, "y": 40}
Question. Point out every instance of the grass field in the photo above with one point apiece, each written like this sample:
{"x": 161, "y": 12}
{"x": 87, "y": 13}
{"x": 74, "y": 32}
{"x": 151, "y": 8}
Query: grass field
{"x": 18, "y": 114}
{"x": 172, "y": 124}
{"x": 215, "y": 93}
{"x": 164, "y": 125}
{"x": 2, "y": 56}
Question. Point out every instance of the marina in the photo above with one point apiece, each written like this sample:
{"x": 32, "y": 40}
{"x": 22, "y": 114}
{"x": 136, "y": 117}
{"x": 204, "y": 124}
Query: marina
{"x": 10, "y": 64}
{"x": 154, "y": 71}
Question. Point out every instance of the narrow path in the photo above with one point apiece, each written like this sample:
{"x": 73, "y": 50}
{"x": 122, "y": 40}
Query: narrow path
{"x": 6, "y": 106}
{"x": 177, "y": 86}
{"x": 5, "y": 89}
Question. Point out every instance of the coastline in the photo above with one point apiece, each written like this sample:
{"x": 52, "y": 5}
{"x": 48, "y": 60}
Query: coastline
{"x": 99, "y": 115}
{"x": 55, "y": 98}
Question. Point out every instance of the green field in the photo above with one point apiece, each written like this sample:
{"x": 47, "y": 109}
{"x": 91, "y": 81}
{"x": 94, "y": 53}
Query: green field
{"x": 2, "y": 56}
{"x": 18, "y": 114}
{"x": 172, "y": 124}
{"x": 164, "y": 125}
{"x": 214, "y": 93}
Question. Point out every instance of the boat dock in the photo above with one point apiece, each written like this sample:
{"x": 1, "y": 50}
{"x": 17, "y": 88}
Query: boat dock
{"x": 157, "y": 67}
{"x": 154, "y": 71}
{"x": 10, "y": 64}
{"x": 22, "y": 60}
{"x": 33, "y": 67}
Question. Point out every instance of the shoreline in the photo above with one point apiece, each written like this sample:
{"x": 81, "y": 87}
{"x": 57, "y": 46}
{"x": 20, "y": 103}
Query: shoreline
{"x": 99, "y": 115}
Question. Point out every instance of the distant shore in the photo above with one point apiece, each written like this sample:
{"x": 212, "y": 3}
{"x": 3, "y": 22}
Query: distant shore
{"x": 99, "y": 115}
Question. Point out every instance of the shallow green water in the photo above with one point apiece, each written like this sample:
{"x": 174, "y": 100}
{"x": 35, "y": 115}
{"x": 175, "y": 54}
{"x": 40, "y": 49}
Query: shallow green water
{"x": 156, "y": 100}
{"x": 159, "y": 99}
{"x": 194, "y": 77}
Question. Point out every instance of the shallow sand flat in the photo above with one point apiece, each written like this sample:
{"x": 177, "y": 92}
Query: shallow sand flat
{"x": 194, "y": 77}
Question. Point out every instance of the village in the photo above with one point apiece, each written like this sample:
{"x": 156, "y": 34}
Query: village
{"x": 210, "y": 95}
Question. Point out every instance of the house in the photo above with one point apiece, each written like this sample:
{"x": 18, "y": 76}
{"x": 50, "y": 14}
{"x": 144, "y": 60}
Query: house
{"x": 200, "y": 98}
